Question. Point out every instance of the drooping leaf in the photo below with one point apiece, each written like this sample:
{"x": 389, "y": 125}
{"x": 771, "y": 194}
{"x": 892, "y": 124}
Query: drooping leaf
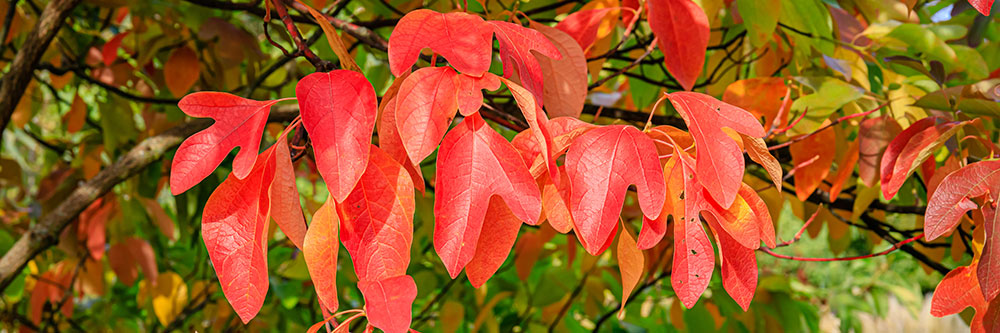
{"x": 495, "y": 242}
{"x": 92, "y": 226}
{"x": 319, "y": 248}
{"x": 988, "y": 270}
{"x": 236, "y": 235}
{"x": 239, "y": 122}
{"x": 76, "y": 116}
{"x": 425, "y": 105}
{"x": 601, "y": 164}
{"x": 338, "y": 110}
{"x": 682, "y": 29}
{"x": 874, "y": 135}
{"x": 911, "y": 148}
{"x": 951, "y": 199}
{"x": 555, "y": 203}
{"x": 474, "y": 163}
{"x": 631, "y": 264}
{"x": 377, "y": 219}
{"x": 465, "y": 40}
{"x": 653, "y": 230}
{"x": 538, "y": 123}
{"x": 109, "y": 52}
{"x": 812, "y": 158}
{"x": 565, "y": 88}
{"x": 169, "y": 295}
{"x": 390, "y": 142}
{"x": 845, "y": 168}
{"x": 181, "y": 70}
{"x": 694, "y": 258}
{"x": 388, "y": 302}
{"x": 516, "y": 46}
{"x": 720, "y": 160}
{"x": 738, "y": 266}
{"x": 285, "y": 207}
{"x": 757, "y": 150}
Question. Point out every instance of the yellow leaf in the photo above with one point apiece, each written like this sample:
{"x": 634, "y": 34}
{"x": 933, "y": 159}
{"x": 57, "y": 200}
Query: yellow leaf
{"x": 169, "y": 295}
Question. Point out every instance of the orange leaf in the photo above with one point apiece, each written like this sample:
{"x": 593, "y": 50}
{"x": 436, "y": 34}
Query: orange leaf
{"x": 808, "y": 175}
{"x": 181, "y": 70}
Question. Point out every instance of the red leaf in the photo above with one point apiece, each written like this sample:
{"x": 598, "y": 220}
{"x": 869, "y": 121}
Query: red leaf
{"x": 582, "y": 25}
{"x": 720, "y": 159}
{"x": 988, "y": 270}
{"x": 109, "y": 52}
{"x": 911, "y": 148}
{"x": 92, "y": 227}
{"x": 474, "y": 163}
{"x": 495, "y": 242}
{"x": 958, "y": 290}
{"x": 285, "y": 206}
{"x": 239, "y": 122}
{"x": 338, "y": 110}
{"x": 319, "y": 249}
{"x": 682, "y": 30}
{"x": 739, "y": 266}
{"x": 951, "y": 199}
{"x": 236, "y": 235}
{"x": 516, "y": 46}
{"x": 630, "y": 265}
{"x": 470, "y": 91}
{"x": 425, "y": 105}
{"x": 764, "y": 223}
{"x": 388, "y": 302}
{"x": 392, "y": 144}
{"x": 845, "y": 168}
{"x": 601, "y": 164}
{"x": 377, "y": 219}
{"x": 555, "y": 203}
{"x": 983, "y": 6}
{"x": 464, "y": 39}
{"x": 874, "y": 135}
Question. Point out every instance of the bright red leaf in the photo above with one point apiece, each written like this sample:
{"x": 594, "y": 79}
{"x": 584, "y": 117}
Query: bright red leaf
{"x": 583, "y": 25}
{"x": 377, "y": 219}
{"x": 988, "y": 270}
{"x": 465, "y": 40}
{"x": 236, "y": 235}
{"x": 739, "y": 266}
{"x": 694, "y": 258}
{"x": 958, "y": 290}
{"x": 474, "y": 163}
{"x": 516, "y": 46}
{"x": 239, "y": 122}
{"x": 983, "y": 6}
{"x": 425, "y": 105}
{"x": 320, "y": 248}
{"x": 681, "y": 28}
{"x": 538, "y": 123}
{"x": 390, "y": 142}
{"x": 911, "y": 148}
{"x": 720, "y": 160}
{"x": 109, "y": 52}
{"x": 601, "y": 164}
{"x": 338, "y": 110}
{"x": 951, "y": 198}
{"x": 388, "y": 302}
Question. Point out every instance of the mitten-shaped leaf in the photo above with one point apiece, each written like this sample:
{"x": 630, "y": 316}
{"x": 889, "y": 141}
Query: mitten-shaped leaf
{"x": 239, "y": 122}
{"x": 338, "y": 110}
{"x": 958, "y": 290}
{"x": 601, "y": 164}
{"x": 681, "y": 28}
{"x": 475, "y": 163}
{"x": 720, "y": 161}
{"x": 464, "y": 39}
{"x": 377, "y": 225}
{"x": 951, "y": 199}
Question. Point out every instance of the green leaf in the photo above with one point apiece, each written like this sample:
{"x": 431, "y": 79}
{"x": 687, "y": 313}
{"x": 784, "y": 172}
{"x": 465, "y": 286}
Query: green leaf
{"x": 760, "y": 17}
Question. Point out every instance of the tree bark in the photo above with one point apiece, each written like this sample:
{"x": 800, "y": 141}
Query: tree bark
{"x": 45, "y": 233}
{"x": 13, "y": 84}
